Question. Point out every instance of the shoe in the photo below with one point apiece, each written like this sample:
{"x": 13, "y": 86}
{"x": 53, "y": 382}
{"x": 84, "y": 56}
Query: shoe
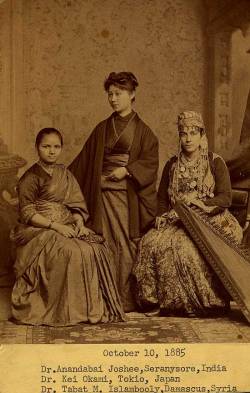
{"x": 153, "y": 313}
{"x": 191, "y": 314}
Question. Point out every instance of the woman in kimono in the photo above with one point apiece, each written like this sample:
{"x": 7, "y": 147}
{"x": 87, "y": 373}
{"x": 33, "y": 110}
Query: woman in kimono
{"x": 117, "y": 172}
{"x": 63, "y": 274}
{"x": 173, "y": 276}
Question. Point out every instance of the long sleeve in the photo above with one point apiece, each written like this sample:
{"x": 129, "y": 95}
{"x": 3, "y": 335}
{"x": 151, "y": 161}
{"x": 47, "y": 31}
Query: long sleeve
{"x": 162, "y": 195}
{"x": 223, "y": 192}
{"x": 144, "y": 168}
{"x": 81, "y": 164}
{"x": 87, "y": 169}
{"x": 75, "y": 200}
{"x": 27, "y": 193}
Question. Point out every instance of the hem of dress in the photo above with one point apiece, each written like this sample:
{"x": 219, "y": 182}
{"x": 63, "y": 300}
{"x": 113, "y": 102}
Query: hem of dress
{"x": 67, "y": 324}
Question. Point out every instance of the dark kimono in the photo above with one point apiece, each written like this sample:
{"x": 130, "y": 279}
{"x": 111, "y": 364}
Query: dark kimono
{"x": 121, "y": 211}
{"x": 59, "y": 280}
{"x": 171, "y": 270}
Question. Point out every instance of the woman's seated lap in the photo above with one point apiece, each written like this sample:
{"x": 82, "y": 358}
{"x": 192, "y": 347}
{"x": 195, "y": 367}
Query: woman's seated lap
{"x": 171, "y": 271}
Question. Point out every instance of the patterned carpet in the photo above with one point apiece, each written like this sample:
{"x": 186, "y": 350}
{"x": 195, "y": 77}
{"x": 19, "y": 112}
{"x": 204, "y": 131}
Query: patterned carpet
{"x": 138, "y": 329}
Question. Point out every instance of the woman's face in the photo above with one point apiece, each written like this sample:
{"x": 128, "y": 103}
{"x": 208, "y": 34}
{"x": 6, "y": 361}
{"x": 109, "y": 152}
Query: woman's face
{"x": 49, "y": 148}
{"x": 190, "y": 139}
{"x": 120, "y": 99}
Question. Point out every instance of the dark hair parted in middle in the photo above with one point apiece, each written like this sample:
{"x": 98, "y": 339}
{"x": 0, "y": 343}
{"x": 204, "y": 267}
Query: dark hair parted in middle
{"x": 47, "y": 131}
{"x": 123, "y": 80}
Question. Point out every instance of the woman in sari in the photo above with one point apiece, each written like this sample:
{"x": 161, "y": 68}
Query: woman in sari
{"x": 172, "y": 274}
{"x": 117, "y": 172}
{"x": 63, "y": 274}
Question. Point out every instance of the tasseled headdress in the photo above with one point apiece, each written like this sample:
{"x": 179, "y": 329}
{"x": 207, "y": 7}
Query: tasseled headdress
{"x": 203, "y": 182}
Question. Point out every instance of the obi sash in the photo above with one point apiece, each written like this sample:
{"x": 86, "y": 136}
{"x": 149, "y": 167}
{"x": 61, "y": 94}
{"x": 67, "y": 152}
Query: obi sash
{"x": 117, "y": 151}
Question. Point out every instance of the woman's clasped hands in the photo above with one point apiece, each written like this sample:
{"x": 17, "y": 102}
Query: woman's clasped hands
{"x": 77, "y": 230}
{"x": 64, "y": 229}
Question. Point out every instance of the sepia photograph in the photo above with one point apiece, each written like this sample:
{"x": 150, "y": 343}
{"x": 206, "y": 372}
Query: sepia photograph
{"x": 124, "y": 171}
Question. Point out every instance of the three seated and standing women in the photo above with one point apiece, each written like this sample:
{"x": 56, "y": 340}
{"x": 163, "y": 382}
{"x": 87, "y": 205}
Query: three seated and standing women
{"x": 64, "y": 268}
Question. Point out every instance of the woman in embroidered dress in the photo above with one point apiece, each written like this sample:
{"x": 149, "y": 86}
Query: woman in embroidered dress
{"x": 117, "y": 172}
{"x": 171, "y": 271}
{"x": 63, "y": 275}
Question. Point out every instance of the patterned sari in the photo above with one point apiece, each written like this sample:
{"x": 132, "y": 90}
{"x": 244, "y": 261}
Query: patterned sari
{"x": 59, "y": 281}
